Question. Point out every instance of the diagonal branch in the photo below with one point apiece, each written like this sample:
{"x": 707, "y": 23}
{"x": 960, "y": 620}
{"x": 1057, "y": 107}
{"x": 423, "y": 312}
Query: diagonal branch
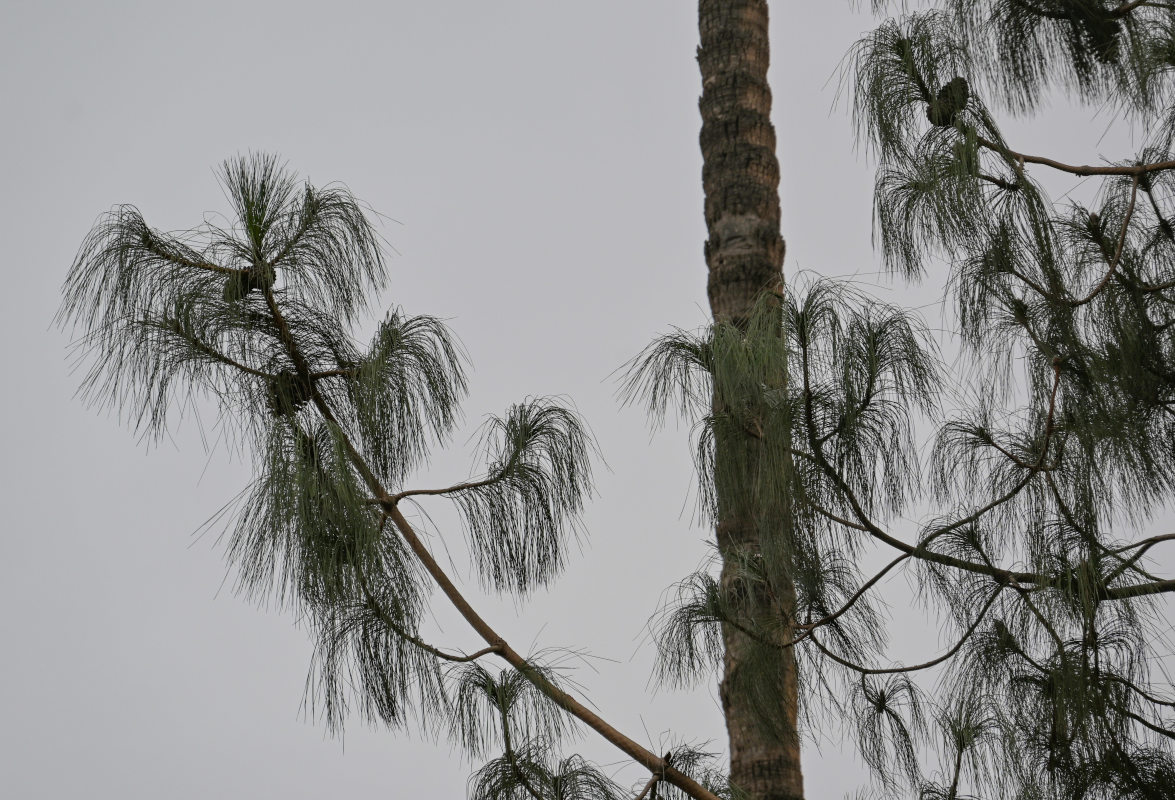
{"x": 1170, "y": 734}
{"x": 1146, "y": 543}
{"x": 648, "y": 787}
{"x": 808, "y": 626}
{"x": 564, "y": 700}
{"x": 220, "y": 357}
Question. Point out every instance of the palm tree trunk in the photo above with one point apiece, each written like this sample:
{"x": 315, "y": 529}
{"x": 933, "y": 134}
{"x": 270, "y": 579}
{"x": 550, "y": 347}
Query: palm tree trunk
{"x": 744, "y": 255}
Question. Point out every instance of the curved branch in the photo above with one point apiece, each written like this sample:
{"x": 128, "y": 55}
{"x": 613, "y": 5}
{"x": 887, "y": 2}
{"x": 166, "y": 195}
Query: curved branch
{"x": 1170, "y": 734}
{"x": 817, "y": 455}
{"x": 1142, "y": 546}
{"x": 1139, "y": 691}
{"x": 1117, "y": 252}
{"x": 460, "y": 487}
{"x": 1146, "y": 543}
{"x": 808, "y": 626}
{"x": 1127, "y": 7}
{"x": 924, "y": 665}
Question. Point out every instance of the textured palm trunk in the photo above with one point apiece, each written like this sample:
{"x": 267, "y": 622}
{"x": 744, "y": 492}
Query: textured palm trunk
{"x": 744, "y": 255}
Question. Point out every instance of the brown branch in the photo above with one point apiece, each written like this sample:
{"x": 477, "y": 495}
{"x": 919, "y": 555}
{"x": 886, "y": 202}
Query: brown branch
{"x": 648, "y": 787}
{"x": 1084, "y": 170}
{"x": 651, "y": 786}
{"x": 564, "y": 700}
{"x": 561, "y": 698}
{"x": 460, "y": 487}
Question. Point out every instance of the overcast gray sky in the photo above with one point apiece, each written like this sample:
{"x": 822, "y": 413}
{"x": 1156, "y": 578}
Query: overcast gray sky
{"x": 537, "y": 162}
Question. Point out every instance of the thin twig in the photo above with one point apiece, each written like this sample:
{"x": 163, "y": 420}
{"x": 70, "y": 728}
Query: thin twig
{"x": 924, "y": 665}
{"x": 1083, "y": 170}
{"x": 1117, "y": 252}
{"x": 374, "y": 604}
{"x": 857, "y": 596}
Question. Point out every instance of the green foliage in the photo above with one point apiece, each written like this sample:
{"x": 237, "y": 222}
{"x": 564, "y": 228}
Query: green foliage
{"x": 520, "y": 516}
{"x": 1094, "y": 49}
{"x": 257, "y": 317}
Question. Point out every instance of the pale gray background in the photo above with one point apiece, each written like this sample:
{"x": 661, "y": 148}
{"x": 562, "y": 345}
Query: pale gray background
{"x": 539, "y": 159}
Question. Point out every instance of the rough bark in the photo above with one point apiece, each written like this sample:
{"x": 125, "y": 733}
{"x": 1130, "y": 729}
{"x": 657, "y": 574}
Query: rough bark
{"x": 744, "y": 255}
{"x": 740, "y": 173}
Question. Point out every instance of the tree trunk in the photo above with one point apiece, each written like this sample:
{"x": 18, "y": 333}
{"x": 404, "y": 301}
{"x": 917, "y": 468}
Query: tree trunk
{"x": 744, "y": 255}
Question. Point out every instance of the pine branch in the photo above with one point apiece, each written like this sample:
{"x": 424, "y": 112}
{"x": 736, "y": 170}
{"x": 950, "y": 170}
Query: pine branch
{"x": 1084, "y": 171}
{"x": 454, "y": 489}
{"x": 561, "y": 698}
{"x": 512, "y": 758}
{"x": 1126, "y": 8}
{"x": 1118, "y": 250}
{"x": 807, "y": 626}
{"x": 220, "y": 357}
{"x": 1003, "y": 576}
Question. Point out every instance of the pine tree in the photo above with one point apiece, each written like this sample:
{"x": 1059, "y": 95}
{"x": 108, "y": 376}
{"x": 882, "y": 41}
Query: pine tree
{"x": 1046, "y": 464}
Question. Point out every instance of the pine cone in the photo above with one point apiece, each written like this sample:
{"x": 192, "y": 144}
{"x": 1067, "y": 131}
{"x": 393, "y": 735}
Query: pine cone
{"x": 951, "y": 99}
{"x": 288, "y": 392}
